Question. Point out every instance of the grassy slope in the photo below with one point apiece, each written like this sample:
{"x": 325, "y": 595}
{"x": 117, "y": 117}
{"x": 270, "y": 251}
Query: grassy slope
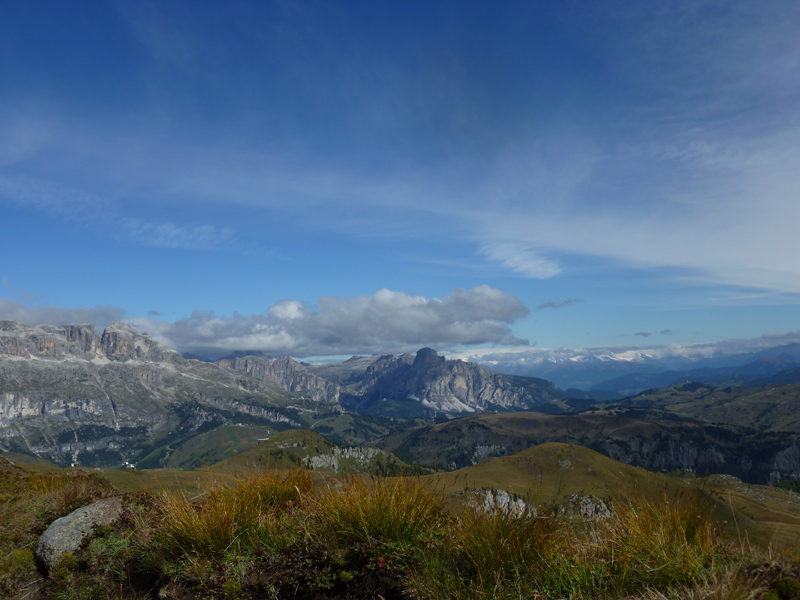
{"x": 195, "y": 450}
{"x": 550, "y": 472}
{"x": 381, "y": 537}
{"x": 542, "y": 474}
{"x": 545, "y": 473}
{"x": 288, "y": 449}
{"x": 767, "y": 408}
{"x": 213, "y": 446}
{"x": 283, "y": 450}
{"x": 454, "y": 443}
{"x": 17, "y": 458}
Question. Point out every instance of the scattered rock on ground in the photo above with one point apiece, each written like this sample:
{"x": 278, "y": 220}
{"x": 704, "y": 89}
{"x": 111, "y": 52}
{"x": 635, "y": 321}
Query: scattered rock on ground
{"x": 65, "y": 535}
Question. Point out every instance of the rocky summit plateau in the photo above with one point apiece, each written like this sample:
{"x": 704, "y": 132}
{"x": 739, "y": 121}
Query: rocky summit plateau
{"x": 70, "y": 395}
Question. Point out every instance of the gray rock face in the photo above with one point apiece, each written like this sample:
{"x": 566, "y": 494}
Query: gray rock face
{"x": 287, "y": 373}
{"x": 450, "y": 387}
{"x": 67, "y": 534}
{"x": 47, "y": 341}
{"x": 122, "y": 342}
{"x": 75, "y": 397}
{"x": 454, "y": 386}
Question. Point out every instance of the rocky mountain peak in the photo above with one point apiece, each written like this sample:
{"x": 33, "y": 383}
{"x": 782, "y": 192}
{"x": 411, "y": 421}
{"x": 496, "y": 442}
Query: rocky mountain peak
{"x": 83, "y": 335}
{"x": 287, "y": 362}
{"x": 118, "y": 342}
{"x": 427, "y": 358}
{"x": 287, "y": 373}
{"x": 122, "y": 342}
{"x": 47, "y": 341}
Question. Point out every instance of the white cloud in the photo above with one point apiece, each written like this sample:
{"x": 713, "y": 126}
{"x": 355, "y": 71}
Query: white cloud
{"x": 99, "y": 316}
{"x": 387, "y": 321}
{"x": 520, "y": 258}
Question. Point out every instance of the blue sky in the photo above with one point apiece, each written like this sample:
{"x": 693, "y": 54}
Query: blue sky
{"x": 328, "y": 178}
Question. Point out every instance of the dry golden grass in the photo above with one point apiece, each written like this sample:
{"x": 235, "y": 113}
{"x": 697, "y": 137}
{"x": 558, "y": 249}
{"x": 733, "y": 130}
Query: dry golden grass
{"x": 238, "y": 512}
{"x": 379, "y": 512}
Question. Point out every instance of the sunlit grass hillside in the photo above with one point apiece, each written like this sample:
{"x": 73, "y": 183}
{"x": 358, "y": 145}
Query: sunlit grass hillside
{"x": 287, "y": 533}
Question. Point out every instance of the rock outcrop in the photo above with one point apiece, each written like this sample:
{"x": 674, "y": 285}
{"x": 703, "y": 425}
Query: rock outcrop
{"x": 67, "y": 534}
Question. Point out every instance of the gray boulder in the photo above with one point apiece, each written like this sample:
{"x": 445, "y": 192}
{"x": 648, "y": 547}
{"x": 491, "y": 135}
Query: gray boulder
{"x": 65, "y": 535}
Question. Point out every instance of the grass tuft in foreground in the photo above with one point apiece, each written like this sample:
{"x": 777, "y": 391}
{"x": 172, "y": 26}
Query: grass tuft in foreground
{"x": 234, "y": 516}
{"x": 660, "y": 542}
{"x": 497, "y": 553}
{"x": 29, "y": 502}
{"x": 393, "y": 514}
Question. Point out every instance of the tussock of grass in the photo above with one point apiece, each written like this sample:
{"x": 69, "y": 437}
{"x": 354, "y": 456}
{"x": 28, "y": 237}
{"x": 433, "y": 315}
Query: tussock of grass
{"x": 658, "y": 542}
{"x": 497, "y": 553}
{"x": 240, "y": 514}
{"x": 379, "y": 512}
{"x": 663, "y": 544}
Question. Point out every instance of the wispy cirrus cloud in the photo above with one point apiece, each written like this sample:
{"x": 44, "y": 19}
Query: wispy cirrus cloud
{"x": 168, "y": 235}
{"x": 688, "y": 162}
{"x": 521, "y": 258}
{"x": 553, "y": 304}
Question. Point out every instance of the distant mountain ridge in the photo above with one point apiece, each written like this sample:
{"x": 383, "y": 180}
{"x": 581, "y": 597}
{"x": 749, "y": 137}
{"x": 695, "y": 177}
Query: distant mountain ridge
{"x": 633, "y": 437}
{"x": 766, "y": 409}
{"x": 588, "y": 368}
{"x": 763, "y": 371}
{"x": 406, "y": 386}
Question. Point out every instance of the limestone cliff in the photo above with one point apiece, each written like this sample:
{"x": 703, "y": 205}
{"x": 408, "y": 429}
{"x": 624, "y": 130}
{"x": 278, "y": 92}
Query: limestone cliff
{"x": 425, "y": 385}
{"x": 73, "y": 396}
{"x": 287, "y": 373}
{"x": 453, "y": 386}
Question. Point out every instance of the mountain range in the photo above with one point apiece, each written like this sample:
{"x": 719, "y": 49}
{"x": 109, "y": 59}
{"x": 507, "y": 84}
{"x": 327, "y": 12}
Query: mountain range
{"x": 73, "y": 396}
{"x": 421, "y": 385}
{"x": 617, "y": 368}
{"x": 77, "y": 397}
{"x": 780, "y": 366}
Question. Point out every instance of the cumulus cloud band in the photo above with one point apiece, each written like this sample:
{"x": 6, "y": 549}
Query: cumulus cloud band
{"x": 386, "y": 321}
